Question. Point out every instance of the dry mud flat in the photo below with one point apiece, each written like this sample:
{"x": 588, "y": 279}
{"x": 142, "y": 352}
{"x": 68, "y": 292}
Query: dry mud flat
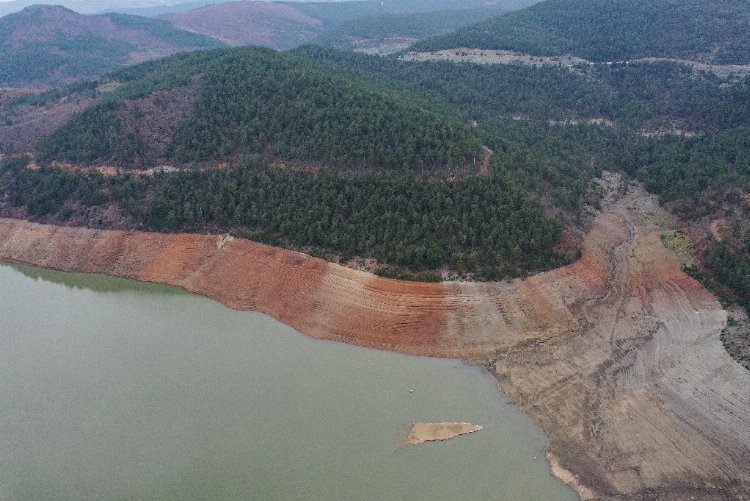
{"x": 421, "y": 433}
{"x": 616, "y": 356}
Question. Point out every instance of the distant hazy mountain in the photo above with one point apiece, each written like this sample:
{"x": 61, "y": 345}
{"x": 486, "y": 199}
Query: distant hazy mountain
{"x": 161, "y": 9}
{"x": 401, "y": 6}
{"x": 93, "y": 6}
{"x": 276, "y": 25}
{"x": 388, "y": 33}
{"x": 158, "y": 9}
{"x": 135, "y": 7}
{"x": 48, "y": 44}
{"x": 609, "y": 30}
{"x": 282, "y": 25}
{"x": 155, "y": 7}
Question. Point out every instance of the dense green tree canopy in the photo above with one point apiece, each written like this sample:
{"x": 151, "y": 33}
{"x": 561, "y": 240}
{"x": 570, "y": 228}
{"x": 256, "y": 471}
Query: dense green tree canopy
{"x": 260, "y": 101}
{"x": 615, "y": 30}
{"x": 487, "y": 226}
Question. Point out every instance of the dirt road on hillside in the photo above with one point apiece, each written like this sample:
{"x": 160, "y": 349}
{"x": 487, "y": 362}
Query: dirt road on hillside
{"x": 493, "y": 56}
{"x": 617, "y": 356}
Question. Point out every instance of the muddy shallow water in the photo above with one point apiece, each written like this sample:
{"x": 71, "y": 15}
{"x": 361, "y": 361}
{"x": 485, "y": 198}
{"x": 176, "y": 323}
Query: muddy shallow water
{"x": 117, "y": 389}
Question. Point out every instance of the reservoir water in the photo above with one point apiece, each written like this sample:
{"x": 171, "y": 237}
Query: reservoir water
{"x": 113, "y": 389}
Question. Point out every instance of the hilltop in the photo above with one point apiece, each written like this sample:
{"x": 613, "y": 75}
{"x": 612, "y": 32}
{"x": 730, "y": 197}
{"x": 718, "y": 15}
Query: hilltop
{"x": 288, "y": 149}
{"x": 218, "y": 104}
{"x": 614, "y": 30}
{"x": 44, "y": 45}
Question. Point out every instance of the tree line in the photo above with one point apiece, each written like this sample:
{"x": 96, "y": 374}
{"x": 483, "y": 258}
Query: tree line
{"x": 489, "y": 227}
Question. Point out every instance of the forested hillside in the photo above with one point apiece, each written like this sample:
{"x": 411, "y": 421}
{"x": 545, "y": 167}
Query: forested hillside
{"x": 489, "y": 227}
{"x": 524, "y": 109}
{"x": 615, "y": 30}
{"x": 45, "y": 44}
{"x": 212, "y": 106}
{"x": 289, "y": 106}
{"x": 643, "y": 96}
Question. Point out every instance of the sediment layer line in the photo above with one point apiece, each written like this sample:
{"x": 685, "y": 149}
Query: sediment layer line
{"x": 321, "y": 299}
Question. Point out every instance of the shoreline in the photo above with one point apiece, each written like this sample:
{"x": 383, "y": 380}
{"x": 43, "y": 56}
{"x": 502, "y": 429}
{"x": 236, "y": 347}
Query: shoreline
{"x": 553, "y": 466}
{"x": 615, "y": 356}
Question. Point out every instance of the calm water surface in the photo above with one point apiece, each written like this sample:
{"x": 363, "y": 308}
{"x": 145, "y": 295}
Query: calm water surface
{"x": 111, "y": 389}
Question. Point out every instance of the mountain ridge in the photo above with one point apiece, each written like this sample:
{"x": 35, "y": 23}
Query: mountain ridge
{"x": 614, "y": 30}
{"x": 275, "y": 25}
{"x": 221, "y": 103}
{"x": 52, "y": 44}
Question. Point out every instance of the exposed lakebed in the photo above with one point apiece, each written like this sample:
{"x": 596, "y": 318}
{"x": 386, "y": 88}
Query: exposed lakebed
{"x": 117, "y": 389}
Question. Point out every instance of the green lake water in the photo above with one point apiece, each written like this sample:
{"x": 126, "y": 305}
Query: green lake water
{"x": 113, "y": 389}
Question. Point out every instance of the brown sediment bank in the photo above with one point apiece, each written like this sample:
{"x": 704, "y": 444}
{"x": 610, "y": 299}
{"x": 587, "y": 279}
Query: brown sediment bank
{"x": 421, "y": 433}
{"x": 616, "y": 356}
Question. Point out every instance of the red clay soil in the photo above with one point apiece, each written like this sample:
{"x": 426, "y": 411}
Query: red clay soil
{"x": 321, "y": 299}
{"x": 616, "y": 356}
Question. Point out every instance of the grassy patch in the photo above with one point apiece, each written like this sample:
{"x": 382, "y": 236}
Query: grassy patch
{"x": 679, "y": 243}
{"x": 663, "y": 219}
{"x": 423, "y": 276}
